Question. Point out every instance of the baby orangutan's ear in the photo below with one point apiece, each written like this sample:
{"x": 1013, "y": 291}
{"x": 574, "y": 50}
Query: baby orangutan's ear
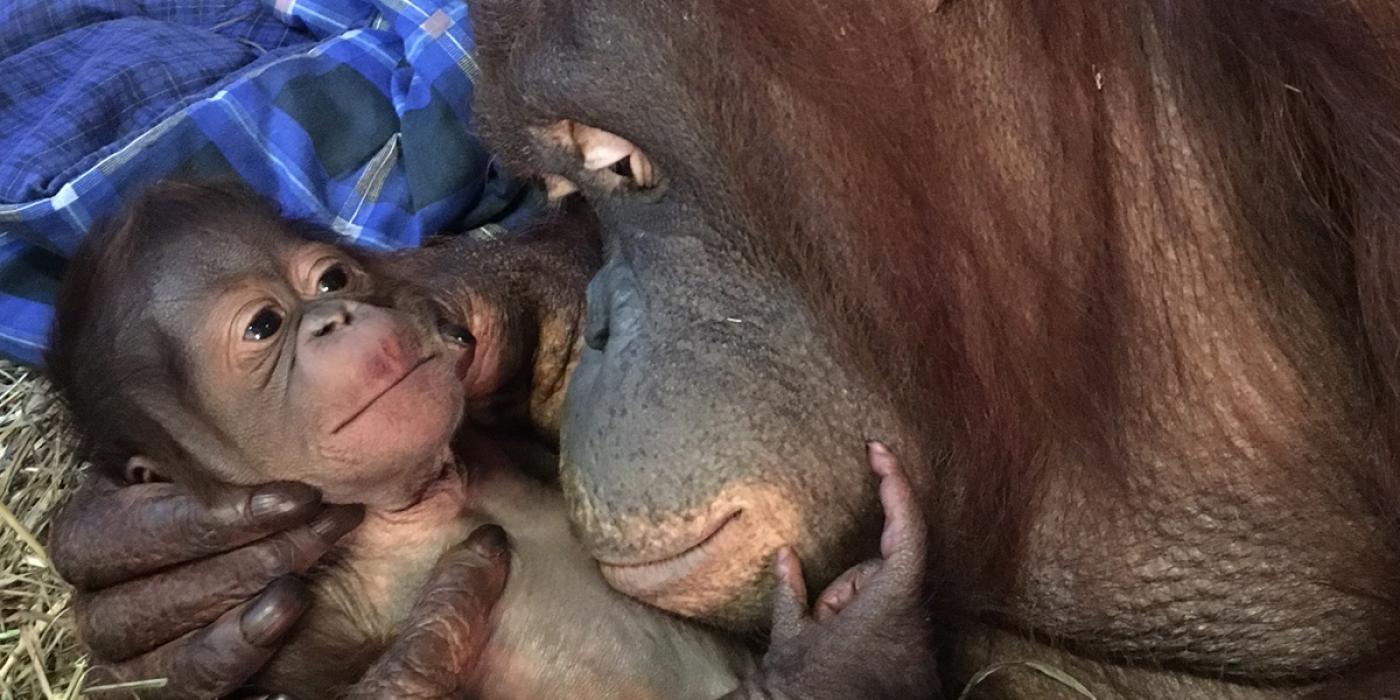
{"x": 140, "y": 470}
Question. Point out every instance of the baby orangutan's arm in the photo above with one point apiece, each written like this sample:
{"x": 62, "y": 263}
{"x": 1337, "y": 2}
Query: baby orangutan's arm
{"x": 444, "y": 635}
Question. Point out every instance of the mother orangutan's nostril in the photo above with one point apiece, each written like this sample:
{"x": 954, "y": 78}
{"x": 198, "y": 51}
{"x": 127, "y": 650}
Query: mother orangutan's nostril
{"x": 622, "y": 167}
{"x": 597, "y": 336}
{"x": 596, "y": 321}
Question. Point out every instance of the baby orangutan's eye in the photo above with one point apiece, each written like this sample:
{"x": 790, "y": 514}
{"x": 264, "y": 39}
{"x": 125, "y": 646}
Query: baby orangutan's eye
{"x": 333, "y": 279}
{"x": 456, "y": 333}
{"x": 264, "y": 325}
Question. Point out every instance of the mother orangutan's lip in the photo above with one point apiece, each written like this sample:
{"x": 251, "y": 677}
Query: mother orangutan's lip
{"x": 641, "y": 578}
{"x": 381, "y": 394}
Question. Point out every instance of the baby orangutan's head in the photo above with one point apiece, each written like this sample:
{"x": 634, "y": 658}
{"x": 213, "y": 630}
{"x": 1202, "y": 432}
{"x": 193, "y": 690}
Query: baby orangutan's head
{"x": 202, "y": 337}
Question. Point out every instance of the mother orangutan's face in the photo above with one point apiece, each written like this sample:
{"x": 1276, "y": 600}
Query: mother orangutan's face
{"x": 709, "y": 420}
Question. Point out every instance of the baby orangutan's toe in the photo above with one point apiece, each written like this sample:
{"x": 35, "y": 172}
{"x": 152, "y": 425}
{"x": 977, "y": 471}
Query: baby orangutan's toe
{"x": 843, "y": 591}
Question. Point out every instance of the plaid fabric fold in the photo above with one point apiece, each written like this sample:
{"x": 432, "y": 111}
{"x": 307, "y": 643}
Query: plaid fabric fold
{"x": 353, "y": 113}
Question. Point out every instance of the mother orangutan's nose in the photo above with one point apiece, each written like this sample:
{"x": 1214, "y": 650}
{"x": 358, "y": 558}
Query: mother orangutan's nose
{"x": 324, "y": 318}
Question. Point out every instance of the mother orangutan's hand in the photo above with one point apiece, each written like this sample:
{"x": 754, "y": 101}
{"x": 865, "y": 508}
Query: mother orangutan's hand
{"x": 200, "y": 595}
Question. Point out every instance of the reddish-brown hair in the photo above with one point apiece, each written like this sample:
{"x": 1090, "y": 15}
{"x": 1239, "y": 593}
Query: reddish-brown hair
{"x": 1002, "y": 243}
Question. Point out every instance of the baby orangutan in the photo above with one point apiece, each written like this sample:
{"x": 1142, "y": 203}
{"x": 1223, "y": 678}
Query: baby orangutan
{"x": 203, "y": 339}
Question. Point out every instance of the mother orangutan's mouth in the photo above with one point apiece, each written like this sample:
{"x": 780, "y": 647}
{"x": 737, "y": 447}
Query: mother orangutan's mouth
{"x": 646, "y": 579}
{"x": 375, "y": 399}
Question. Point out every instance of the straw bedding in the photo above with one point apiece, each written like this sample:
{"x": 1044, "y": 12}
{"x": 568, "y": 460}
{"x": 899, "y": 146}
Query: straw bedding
{"x": 39, "y": 656}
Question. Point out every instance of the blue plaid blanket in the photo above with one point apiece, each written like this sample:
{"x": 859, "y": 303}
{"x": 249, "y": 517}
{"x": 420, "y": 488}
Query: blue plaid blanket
{"x": 354, "y": 113}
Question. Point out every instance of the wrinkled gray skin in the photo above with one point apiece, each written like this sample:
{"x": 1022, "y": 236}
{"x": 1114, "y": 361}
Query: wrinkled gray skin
{"x": 709, "y": 386}
{"x": 707, "y": 398}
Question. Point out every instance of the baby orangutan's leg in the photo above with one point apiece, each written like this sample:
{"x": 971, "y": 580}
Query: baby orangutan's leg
{"x": 870, "y": 635}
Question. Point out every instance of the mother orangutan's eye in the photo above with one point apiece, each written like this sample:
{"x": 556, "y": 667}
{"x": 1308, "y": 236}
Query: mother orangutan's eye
{"x": 333, "y": 279}
{"x": 264, "y": 325}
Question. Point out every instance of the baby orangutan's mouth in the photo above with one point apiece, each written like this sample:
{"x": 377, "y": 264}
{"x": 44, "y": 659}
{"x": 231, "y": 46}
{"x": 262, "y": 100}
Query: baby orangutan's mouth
{"x": 375, "y": 399}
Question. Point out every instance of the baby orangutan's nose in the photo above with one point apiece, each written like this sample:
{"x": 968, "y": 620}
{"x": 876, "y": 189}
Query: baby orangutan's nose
{"x": 324, "y": 318}
{"x": 612, "y": 161}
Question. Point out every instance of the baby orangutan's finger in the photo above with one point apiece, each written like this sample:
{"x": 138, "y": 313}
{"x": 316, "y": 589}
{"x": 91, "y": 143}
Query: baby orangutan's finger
{"x": 212, "y": 661}
{"x": 112, "y": 532}
{"x": 904, "y": 541}
{"x": 436, "y": 654}
{"x": 790, "y": 616}
{"x": 131, "y": 618}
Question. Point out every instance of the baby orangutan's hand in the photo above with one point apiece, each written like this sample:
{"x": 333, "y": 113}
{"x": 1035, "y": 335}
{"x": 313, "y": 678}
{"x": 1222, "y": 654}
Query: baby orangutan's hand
{"x": 869, "y": 635}
{"x": 448, "y": 627}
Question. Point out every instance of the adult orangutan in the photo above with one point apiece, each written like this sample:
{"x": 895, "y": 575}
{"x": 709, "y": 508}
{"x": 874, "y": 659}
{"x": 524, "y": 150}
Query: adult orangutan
{"x": 1122, "y": 278}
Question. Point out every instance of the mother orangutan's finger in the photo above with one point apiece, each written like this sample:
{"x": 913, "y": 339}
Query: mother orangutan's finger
{"x": 131, "y": 618}
{"x": 438, "y": 651}
{"x": 111, "y": 532}
{"x": 217, "y": 659}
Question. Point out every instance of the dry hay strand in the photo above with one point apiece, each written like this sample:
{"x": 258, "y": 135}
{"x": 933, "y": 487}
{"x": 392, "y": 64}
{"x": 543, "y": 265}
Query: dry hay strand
{"x": 39, "y": 654}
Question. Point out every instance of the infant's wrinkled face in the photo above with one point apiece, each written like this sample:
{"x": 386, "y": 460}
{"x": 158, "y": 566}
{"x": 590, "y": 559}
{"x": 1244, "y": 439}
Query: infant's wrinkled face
{"x": 318, "y": 372}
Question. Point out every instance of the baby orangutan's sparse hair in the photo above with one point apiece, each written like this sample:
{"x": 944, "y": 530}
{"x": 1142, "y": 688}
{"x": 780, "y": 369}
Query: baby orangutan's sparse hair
{"x": 184, "y": 334}
{"x": 203, "y": 339}
{"x": 133, "y": 353}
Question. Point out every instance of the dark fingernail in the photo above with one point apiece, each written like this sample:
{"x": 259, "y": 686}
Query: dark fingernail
{"x": 335, "y": 521}
{"x": 273, "y": 501}
{"x": 489, "y": 541}
{"x": 274, "y": 612}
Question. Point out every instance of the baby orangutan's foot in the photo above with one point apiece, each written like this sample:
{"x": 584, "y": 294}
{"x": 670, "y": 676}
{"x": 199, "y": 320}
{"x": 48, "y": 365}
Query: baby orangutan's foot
{"x": 901, "y": 544}
{"x": 870, "y": 635}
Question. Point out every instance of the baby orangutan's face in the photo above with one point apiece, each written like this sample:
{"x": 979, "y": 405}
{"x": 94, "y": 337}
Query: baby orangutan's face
{"x": 313, "y": 370}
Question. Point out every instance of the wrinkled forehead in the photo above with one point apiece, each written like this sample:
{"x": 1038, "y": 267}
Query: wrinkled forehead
{"x": 206, "y": 257}
{"x": 182, "y": 277}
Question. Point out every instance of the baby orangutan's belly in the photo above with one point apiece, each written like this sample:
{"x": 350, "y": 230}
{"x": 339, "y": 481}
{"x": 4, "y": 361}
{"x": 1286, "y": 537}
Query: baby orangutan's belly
{"x": 560, "y": 631}
{"x": 563, "y": 632}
